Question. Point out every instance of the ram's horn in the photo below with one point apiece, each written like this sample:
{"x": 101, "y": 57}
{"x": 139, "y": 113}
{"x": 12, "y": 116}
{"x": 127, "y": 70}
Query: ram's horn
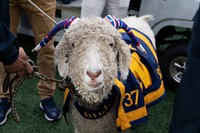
{"x": 117, "y": 23}
{"x": 64, "y": 24}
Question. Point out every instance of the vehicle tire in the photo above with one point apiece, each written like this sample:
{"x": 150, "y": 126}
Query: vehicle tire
{"x": 173, "y": 63}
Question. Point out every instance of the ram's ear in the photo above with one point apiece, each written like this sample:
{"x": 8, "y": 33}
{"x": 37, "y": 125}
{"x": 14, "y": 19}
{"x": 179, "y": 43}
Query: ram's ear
{"x": 124, "y": 57}
{"x": 61, "y": 58}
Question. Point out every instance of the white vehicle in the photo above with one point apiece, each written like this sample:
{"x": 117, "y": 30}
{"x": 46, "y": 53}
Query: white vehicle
{"x": 172, "y": 28}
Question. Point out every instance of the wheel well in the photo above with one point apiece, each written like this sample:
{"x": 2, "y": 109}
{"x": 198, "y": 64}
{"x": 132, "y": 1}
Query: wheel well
{"x": 171, "y": 34}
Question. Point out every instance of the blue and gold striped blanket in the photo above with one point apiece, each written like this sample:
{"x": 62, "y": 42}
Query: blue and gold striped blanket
{"x": 143, "y": 87}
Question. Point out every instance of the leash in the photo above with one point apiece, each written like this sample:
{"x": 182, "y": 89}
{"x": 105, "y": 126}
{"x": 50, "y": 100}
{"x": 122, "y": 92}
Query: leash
{"x": 13, "y": 85}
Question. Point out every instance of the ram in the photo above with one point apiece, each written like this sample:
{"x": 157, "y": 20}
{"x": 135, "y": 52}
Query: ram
{"x": 113, "y": 75}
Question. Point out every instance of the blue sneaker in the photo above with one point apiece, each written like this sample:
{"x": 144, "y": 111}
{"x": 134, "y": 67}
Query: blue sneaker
{"x": 5, "y": 109}
{"x": 51, "y": 111}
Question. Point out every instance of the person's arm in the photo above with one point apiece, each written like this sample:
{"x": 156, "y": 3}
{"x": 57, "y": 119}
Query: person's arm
{"x": 9, "y": 50}
{"x": 14, "y": 58}
{"x": 20, "y": 65}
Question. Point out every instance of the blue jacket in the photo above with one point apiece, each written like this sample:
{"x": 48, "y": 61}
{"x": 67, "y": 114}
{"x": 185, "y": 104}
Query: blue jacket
{"x": 8, "y": 43}
{"x": 185, "y": 115}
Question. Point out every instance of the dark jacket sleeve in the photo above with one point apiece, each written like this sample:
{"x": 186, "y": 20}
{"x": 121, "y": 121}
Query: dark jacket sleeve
{"x": 194, "y": 45}
{"x": 8, "y": 44}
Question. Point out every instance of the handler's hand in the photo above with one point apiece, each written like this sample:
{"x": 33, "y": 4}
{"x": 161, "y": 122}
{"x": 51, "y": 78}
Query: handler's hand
{"x": 20, "y": 65}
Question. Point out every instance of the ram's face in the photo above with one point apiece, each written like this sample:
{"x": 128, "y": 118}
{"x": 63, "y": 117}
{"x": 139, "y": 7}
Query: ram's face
{"x": 95, "y": 66}
{"x": 94, "y": 54}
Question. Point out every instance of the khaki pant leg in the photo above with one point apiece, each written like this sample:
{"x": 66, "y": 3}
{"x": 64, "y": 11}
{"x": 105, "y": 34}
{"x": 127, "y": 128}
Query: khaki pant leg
{"x": 15, "y": 15}
{"x": 41, "y": 25}
{"x": 2, "y": 77}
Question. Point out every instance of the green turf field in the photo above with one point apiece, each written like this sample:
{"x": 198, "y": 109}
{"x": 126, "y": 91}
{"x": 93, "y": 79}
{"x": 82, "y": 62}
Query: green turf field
{"x": 32, "y": 119}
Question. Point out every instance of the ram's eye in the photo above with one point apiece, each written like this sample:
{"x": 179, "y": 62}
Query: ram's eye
{"x": 111, "y": 44}
{"x": 73, "y": 44}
